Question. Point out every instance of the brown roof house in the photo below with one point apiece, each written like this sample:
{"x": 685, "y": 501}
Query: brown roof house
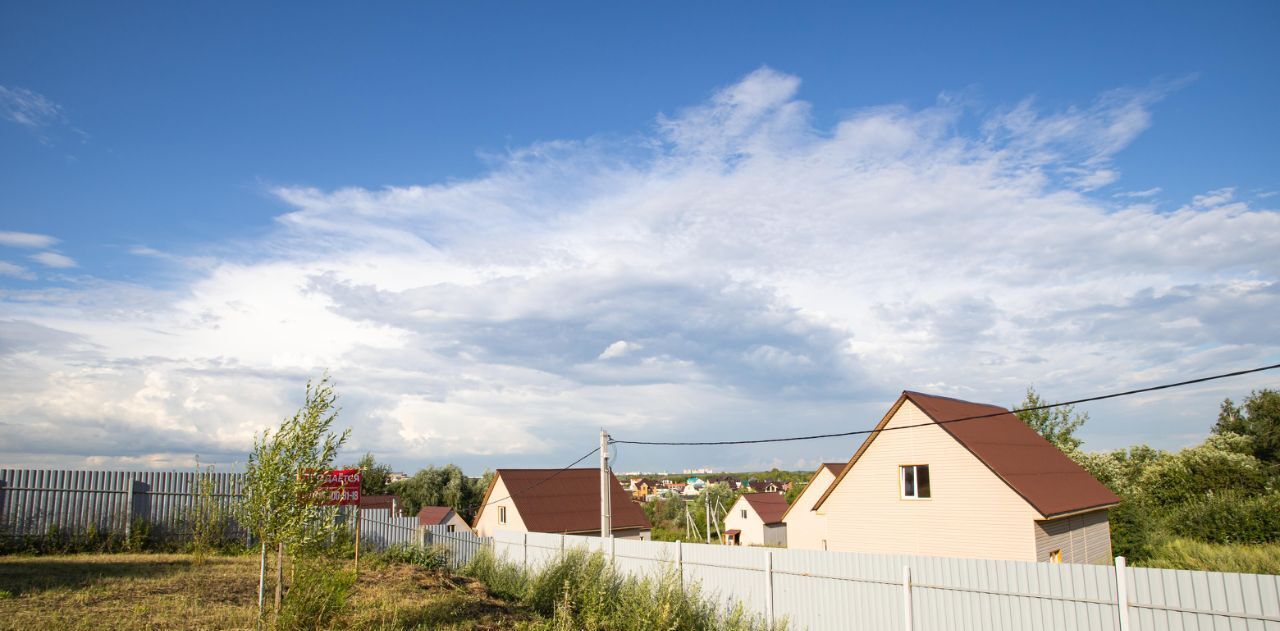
{"x": 442, "y": 516}
{"x": 989, "y": 488}
{"x": 806, "y": 529}
{"x": 755, "y": 519}
{"x": 555, "y": 500}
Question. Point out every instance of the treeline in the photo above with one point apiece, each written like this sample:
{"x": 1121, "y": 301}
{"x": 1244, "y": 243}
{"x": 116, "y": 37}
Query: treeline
{"x": 1213, "y": 506}
{"x": 432, "y": 486}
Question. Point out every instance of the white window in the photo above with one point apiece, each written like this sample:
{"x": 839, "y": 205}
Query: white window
{"x": 744, "y": 513}
{"x": 915, "y": 481}
{"x": 502, "y": 514}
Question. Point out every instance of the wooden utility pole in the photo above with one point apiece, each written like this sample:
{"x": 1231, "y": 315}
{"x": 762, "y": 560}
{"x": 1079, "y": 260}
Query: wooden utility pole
{"x": 606, "y": 489}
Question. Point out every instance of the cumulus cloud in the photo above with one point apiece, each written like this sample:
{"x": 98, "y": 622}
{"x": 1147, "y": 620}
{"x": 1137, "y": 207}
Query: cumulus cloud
{"x": 780, "y": 278}
{"x": 26, "y": 240}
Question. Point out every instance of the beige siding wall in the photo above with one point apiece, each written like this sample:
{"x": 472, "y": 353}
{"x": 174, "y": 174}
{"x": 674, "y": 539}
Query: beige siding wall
{"x": 488, "y": 523}
{"x": 1082, "y": 538}
{"x": 807, "y": 529}
{"x": 972, "y": 512}
{"x": 458, "y": 524}
{"x": 752, "y": 526}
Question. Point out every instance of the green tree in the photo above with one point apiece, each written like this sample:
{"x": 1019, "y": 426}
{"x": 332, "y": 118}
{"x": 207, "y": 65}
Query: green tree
{"x": 443, "y": 486}
{"x": 1259, "y": 419}
{"x": 374, "y": 476}
{"x": 1058, "y": 425}
{"x": 281, "y": 497}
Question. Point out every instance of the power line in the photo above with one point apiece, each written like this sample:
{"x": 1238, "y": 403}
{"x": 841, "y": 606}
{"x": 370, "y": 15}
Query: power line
{"x": 954, "y": 420}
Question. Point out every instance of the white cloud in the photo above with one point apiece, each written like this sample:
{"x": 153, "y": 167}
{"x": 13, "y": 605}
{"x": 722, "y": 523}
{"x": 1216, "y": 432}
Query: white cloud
{"x": 15, "y": 271}
{"x": 53, "y": 259}
{"x": 618, "y": 349}
{"x": 26, "y": 240}
{"x": 1150, "y": 192}
{"x": 27, "y": 108}
{"x": 779, "y": 277}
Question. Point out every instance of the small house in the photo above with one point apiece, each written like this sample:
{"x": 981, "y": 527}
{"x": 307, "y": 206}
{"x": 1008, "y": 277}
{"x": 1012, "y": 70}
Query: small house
{"x": 944, "y": 477}
{"x": 442, "y": 516}
{"x": 755, "y": 519}
{"x": 806, "y": 529}
{"x": 565, "y": 501}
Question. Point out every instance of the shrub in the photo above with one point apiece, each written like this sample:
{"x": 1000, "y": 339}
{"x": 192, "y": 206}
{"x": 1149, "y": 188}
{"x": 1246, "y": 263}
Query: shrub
{"x": 432, "y": 558}
{"x": 318, "y": 595}
{"x": 1229, "y": 517}
{"x": 1184, "y": 554}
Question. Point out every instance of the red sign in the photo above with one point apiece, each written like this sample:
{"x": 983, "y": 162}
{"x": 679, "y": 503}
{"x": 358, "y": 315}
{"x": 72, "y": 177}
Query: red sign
{"x": 341, "y": 487}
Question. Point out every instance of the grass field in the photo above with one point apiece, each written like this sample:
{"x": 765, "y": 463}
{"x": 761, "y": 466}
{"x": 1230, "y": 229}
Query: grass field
{"x": 155, "y": 591}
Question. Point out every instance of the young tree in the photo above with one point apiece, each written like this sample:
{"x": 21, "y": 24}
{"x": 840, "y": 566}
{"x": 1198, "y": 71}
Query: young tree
{"x": 1057, "y": 425}
{"x": 282, "y": 492}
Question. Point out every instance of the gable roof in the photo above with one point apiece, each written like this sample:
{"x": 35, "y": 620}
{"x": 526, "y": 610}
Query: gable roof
{"x": 1040, "y": 473}
{"x": 833, "y": 467}
{"x": 434, "y": 515}
{"x": 769, "y": 506}
{"x": 564, "y": 500}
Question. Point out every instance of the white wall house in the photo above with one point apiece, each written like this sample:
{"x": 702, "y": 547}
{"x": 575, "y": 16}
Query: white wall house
{"x": 442, "y": 516}
{"x": 806, "y": 529}
{"x": 565, "y": 501}
{"x": 755, "y": 519}
{"x": 927, "y": 483}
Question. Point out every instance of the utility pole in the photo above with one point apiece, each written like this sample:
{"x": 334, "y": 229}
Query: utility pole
{"x": 706, "y": 501}
{"x": 606, "y": 489}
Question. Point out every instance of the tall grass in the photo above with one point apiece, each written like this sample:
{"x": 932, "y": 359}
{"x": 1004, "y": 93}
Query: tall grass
{"x": 581, "y": 590}
{"x": 1188, "y": 554}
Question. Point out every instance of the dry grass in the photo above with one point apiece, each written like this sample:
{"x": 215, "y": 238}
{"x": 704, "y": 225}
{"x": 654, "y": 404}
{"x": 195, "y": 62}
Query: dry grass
{"x": 154, "y": 591}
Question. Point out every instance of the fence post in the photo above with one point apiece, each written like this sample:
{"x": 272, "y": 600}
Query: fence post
{"x": 768, "y": 587}
{"x": 1122, "y": 593}
{"x": 680, "y": 562}
{"x": 524, "y": 550}
{"x": 612, "y": 550}
{"x": 128, "y": 506}
{"x": 906, "y": 597}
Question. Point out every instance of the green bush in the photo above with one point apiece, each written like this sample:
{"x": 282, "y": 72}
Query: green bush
{"x": 432, "y": 558}
{"x": 1184, "y": 554}
{"x": 318, "y": 595}
{"x": 1229, "y": 517}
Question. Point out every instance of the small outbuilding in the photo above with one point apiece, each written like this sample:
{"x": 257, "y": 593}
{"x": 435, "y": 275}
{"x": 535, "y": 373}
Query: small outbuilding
{"x": 756, "y": 520}
{"x": 442, "y": 516}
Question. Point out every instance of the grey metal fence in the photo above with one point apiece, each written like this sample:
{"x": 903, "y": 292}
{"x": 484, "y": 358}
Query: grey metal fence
{"x": 37, "y": 502}
{"x": 379, "y": 529}
{"x": 462, "y": 546}
{"x": 841, "y": 590}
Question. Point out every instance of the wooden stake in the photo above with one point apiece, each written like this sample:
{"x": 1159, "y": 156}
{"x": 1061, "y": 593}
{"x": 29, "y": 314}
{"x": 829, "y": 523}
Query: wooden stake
{"x": 357, "y": 541}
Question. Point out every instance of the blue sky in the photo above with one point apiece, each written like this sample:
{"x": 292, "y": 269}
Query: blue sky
{"x": 538, "y": 219}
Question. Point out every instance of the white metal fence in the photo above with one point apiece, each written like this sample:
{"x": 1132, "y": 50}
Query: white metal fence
{"x": 462, "y": 546}
{"x": 840, "y": 590}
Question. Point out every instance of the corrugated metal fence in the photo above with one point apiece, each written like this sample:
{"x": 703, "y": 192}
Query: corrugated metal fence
{"x": 462, "y": 546}
{"x": 840, "y": 590}
{"x": 34, "y": 502}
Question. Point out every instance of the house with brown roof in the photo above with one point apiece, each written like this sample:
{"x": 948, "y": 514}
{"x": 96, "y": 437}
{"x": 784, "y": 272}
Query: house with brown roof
{"x": 442, "y": 516}
{"x": 755, "y": 519}
{"x": 926, "y": 482}
{"x": 806, "y": 529}
{"x": 565, "y": 501}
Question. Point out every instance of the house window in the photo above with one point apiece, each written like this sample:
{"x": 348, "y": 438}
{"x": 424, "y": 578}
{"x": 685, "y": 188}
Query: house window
{"x": 450, "y": 528}
{"x": 915, "y": 481}
{"x": 744, "y": 513}
{"x": 502, "y": 514}
{"x": 1055, "y": 556}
